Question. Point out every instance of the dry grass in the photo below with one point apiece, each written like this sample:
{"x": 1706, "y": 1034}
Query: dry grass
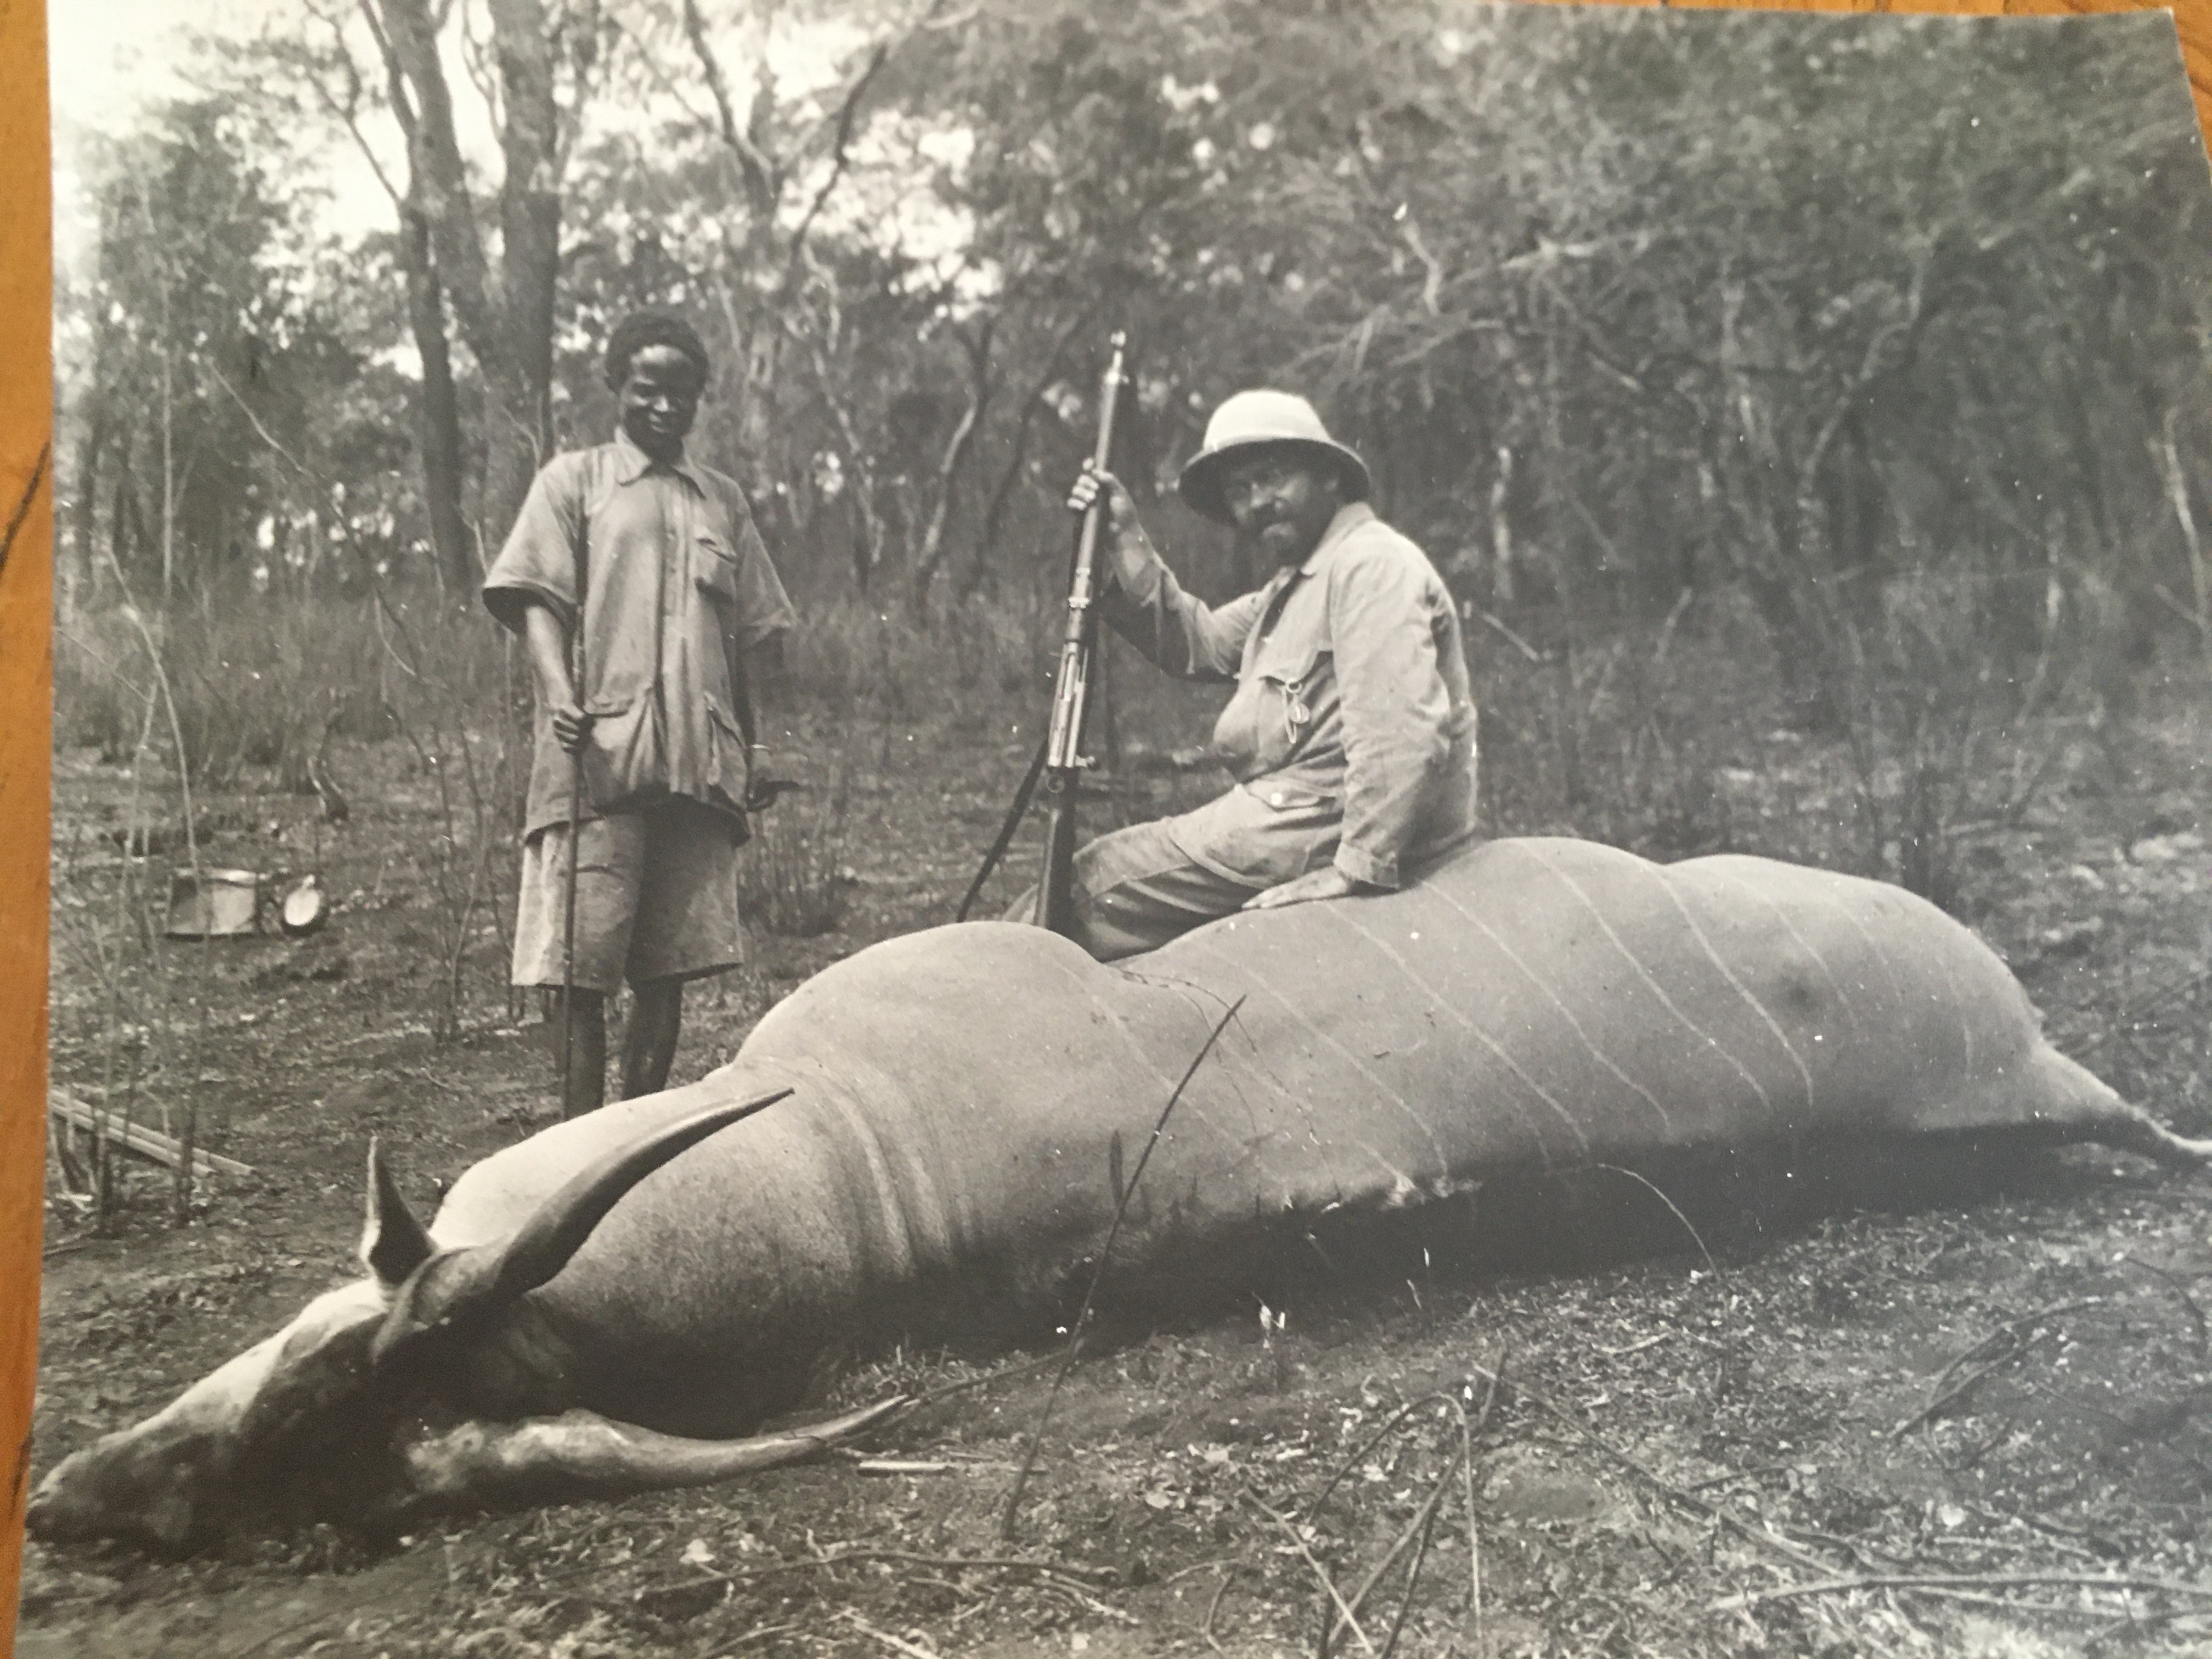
{"x": 792, "y": 878}
{"x": 1656, "y": 1421}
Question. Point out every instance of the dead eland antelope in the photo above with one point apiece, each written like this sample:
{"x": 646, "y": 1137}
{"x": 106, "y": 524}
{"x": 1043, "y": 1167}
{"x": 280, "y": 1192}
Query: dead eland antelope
{"x": 596, "y": 1308}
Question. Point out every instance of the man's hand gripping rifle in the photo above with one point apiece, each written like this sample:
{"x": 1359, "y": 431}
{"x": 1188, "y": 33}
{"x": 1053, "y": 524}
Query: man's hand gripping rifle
{"x": 1059, "y": 760}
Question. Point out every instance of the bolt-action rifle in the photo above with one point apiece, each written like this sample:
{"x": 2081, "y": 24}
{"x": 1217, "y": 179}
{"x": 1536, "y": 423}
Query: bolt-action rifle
{"x": 1064, "y": 760}
{"x": 1060, "y": 761}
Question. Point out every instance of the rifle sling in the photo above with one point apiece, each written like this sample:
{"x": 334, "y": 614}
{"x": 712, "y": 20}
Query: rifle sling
{"x": 1014, "y": 816}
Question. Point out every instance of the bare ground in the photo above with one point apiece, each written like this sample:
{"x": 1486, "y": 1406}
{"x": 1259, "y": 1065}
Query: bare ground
{"x": 1986, "y": 1426}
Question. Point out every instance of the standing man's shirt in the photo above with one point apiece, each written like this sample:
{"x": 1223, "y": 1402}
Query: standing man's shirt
{"x": 1352, "y": 692}
{"x": 676, "y": 585}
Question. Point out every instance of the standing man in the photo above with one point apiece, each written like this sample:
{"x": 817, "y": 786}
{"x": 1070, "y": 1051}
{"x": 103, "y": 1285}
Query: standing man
{"x": 1351, "y": 731}
{"x": 650, "y": 562}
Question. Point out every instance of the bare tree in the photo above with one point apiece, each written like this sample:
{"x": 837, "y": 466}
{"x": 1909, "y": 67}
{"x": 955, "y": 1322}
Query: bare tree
{"x": 929, "y": 553}
{"x": 505, "y": 313}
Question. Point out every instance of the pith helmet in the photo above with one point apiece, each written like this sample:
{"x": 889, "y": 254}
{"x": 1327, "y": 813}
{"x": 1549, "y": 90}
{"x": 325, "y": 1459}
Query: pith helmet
{"x": 1263, "y": 417}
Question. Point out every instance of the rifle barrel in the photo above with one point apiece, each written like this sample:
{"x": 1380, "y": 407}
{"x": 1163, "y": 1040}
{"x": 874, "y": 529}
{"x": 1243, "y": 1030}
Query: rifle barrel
{"x": 1071, "y": 693}
{"x": 1071, "y": 688}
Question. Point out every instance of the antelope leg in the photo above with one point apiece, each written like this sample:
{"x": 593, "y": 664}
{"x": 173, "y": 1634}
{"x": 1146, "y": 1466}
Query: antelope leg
{"x": 2130, "y": 1129}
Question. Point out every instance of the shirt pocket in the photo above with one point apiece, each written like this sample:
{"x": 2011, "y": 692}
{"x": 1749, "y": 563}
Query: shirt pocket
{"x": 1289, "y": 688}
{"x": 715, "y": 563}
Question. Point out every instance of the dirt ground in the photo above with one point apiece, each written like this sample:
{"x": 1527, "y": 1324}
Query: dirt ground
{"x": 1985, "y": 1427}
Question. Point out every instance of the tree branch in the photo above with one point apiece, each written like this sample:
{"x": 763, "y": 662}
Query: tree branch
{"x": 763, "y": 185}
{"x": 439, "y": 178}
{"x": 931, "y": 553}
{"x": 839, "y": 151}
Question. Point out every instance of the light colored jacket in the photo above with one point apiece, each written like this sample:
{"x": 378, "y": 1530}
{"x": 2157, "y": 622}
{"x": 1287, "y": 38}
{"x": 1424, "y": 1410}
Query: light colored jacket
{"x": 675, "y": 579}
{"x": 1352, "y": 698}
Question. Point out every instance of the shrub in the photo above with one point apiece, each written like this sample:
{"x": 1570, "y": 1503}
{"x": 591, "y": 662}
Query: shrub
{"x": 257, "y": 680}
{"x": 790, "y": 876}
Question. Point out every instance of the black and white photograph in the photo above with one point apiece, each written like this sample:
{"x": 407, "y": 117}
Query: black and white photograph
{"x": 1252, "y": 827}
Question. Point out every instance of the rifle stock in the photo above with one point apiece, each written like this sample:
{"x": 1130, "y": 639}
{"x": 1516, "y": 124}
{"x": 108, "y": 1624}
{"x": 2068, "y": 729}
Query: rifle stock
{"x": 1071, "y": 692}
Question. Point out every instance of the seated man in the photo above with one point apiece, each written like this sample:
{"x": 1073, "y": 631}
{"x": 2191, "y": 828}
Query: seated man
{"x": 1352, "y": 732}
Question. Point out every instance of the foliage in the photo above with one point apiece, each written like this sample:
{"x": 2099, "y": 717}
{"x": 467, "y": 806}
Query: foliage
{"x": 1616, "y": 302}
{"x": 202, "y": 326}
{"x": 792, "y": 878}
{"x": 256, "y": 685}
{"x": 1868, "y": 353}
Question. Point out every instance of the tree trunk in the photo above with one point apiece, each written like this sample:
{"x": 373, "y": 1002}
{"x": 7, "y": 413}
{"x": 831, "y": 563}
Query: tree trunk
{"x": 79, "y": 573}
{"x": 1501, "y": 530}
{"x": 126, "y": 535}
{"x": 437, "y": 409}
{"x": 981, "y": 571}
{"x": 868, "y": 537}
{"x": 509, "y": 330}
{"x": 931, "y": 553}
{"x": 530, "y": 230}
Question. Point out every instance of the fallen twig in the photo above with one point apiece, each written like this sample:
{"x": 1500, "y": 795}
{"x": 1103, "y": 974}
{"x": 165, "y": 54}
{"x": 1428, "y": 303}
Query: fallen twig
{"x": 1083, "y": 1599}
{"x": 1420, "y": 1523}
{"x": 1966, "y": 1385}
{"x": 1083, "y": 1313}
{"x": 1195, "y": 1567}
{"x": 1733, "y": 1476}
{"x": 2188, "y": 1302}
{"x": 2049, "y": 1312}
{"x": 896, "y": 1643}
{"x": 1423, "y": 1520}
{"x": 1004, "y": 1373}
{"x": 1213, "y": 1605}
{"x": 1074, "y": 1574}
{"x": 1283, "y": 1525}
{"x": 1413, "y": 1572}
{"x": 147, "y": 1142}
{"x": 2062, "y": 1537}
{"x": 1351, "y": 1460}
{"x": 1963, "y": 1580}
{"x": 1666, "y": 1489}
{"x": 759, "y": 1632}
{"x": 2012, "y": 1328}
{"x": 2134, "y": 1618}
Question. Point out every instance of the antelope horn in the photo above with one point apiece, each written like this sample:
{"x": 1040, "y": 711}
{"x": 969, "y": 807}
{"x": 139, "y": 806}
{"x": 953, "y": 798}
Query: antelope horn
{"x": 489, "y": 1465}
{"x": 458, "y": 1289}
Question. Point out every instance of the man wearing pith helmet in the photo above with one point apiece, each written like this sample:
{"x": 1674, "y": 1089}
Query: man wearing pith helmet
{"x": 1351, "y": 733}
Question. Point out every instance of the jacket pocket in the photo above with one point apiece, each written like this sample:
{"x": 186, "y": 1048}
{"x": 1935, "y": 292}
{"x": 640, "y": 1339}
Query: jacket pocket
{"x": 729, "y": 759}
{"x": 625, "y": 760}
{"x": 1260, "y": 833}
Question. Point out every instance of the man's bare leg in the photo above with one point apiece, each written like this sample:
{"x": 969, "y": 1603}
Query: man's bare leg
{"x": 656, "y": 1015}
{"x": 587, "y": 1082}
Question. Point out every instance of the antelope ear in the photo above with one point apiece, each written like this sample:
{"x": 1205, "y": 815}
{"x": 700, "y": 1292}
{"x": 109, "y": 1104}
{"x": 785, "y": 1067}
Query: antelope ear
{"x": 393, "y": 1243}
